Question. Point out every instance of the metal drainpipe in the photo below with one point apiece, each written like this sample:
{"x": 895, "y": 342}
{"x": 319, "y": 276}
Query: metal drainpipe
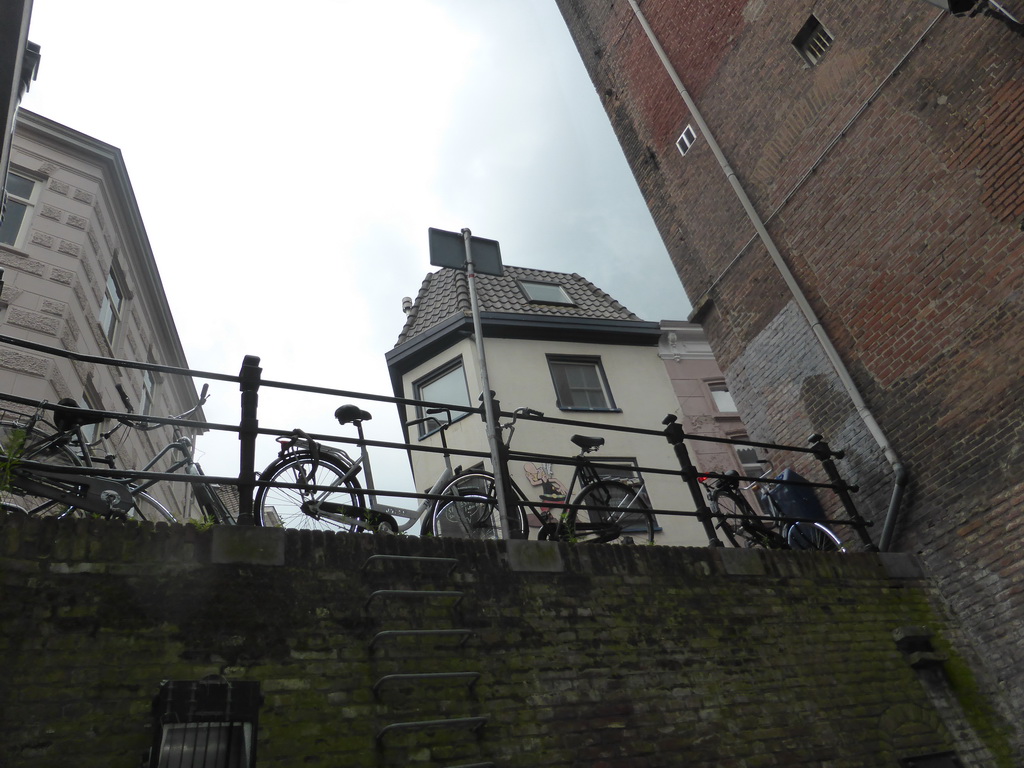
{"x": 901, "y": 475}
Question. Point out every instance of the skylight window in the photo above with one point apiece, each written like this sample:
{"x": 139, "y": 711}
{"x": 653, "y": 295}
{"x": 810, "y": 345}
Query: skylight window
{"x": 545, "y": 293}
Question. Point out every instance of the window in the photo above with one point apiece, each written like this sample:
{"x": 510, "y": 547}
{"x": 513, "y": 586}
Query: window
{"x": 722, "y": 397}
{"x": 580, "y": 384}
{"x": 444, "y": 385}
{"x": 748, "y": 459}
{"x": 110, "y": 311}
{"x": 545, "y": 293}
{"x": 686, "y": 139}
{"x": 148, "y": 387}
{"x": 91, "y": 432}
{"x": 20, "y": 194}
{"x": 812, "y": 41}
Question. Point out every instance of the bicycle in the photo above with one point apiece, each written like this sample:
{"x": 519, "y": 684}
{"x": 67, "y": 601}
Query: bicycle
{"x": 48, "y": 471}
{"x": 742, "y": 527}
{"x": 312, "y": 486}
{"x": 604, "y": 510}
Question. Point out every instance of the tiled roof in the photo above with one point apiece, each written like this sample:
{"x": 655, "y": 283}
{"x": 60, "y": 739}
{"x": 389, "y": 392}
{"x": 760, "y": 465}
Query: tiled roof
{"x": 446, "y": 292}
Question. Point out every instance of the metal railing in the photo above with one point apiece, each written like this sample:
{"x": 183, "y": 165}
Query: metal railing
{"x": 248, "y": 429}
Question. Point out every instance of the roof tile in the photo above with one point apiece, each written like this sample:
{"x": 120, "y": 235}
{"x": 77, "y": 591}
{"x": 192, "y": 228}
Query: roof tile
{"x": 446, "y": 293}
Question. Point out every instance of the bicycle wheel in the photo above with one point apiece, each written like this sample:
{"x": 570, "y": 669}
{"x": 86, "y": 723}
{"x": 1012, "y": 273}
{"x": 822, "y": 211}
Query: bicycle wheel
{"x": 19, "y": 443}
{"x": 813, "y": 536}
{"x": 149, "y": 509}
{"x": 475, "y": 514}
{"x": 299, "y": 507}
{"x": 740, "y": 523}
{"x": 630, "y": 520}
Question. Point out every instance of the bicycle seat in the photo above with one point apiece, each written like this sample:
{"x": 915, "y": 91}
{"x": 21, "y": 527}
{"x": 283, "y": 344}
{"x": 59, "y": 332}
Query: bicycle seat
{"x": 587, "y": 443}
{"x": 67, "y": 415}
{"x": 350, "y": 414}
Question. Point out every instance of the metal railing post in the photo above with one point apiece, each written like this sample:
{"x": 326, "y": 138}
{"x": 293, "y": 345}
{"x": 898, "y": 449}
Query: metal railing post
{"x": 248, "y": 427}
{"x": 502, "y": 477}
{"x": 824, "y": 454}
{"x": 677, "y": 439}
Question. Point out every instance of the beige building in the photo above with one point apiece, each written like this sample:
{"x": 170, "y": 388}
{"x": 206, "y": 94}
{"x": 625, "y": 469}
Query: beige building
{"x": 706, "y": 406}
{"x": 557, "y": 344}
{"x": 79, "y": 274}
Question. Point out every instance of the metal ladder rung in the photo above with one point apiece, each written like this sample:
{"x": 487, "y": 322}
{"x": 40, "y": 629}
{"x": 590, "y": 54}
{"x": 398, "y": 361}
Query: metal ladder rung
{"x": 473, "y": 765}
{"x": 426, "y": 677}
{"x": 471, "y": 723}
{"x": 382, "y": 593}
{"x": 387, "y": 634}
{"x": 451, "y": 562}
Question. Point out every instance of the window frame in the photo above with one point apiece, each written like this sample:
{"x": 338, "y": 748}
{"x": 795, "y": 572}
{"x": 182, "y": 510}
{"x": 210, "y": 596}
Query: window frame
{"x": 149, "y": 382}
{"x": 28, "y": 204}
{"x": 433, "y": 376}
{"x": 568, "y": 302}
{"x": 602, "y": 380}
{"x": 813, "y": 41}
{"x": 91, "y": 432}
{"x": 719, "y": 385}
{"x": 114, "y": 277}
{"x": 686, "y": 140}
{"x": 754, "y": 468}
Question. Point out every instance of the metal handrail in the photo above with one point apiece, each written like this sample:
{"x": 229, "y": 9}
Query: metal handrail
{"x": 248, "y": 429}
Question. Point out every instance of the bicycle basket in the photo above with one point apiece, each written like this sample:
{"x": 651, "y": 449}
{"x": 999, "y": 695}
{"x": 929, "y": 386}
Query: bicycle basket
{"x": 796, "y": 500}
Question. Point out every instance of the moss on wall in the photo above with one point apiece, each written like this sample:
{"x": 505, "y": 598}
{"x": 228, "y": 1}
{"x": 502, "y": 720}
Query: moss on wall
{"x": 613, "y": 656}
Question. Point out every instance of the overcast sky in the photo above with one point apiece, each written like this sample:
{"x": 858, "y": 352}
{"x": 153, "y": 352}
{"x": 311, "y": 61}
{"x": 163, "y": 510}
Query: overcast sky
{"x": 287, "y": 168}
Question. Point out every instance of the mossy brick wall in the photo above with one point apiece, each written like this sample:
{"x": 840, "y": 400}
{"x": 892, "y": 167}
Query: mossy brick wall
{"x": 587, "y": 655}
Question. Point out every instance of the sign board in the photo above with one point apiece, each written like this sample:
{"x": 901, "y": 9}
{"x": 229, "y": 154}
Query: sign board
{"x": 448, "y": 249}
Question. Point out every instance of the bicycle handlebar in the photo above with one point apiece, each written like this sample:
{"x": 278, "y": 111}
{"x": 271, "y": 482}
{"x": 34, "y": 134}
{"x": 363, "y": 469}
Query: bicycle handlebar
{"x": 442, "y": 425}
{"x": 204, "y": 395}
{"x": 526, "y": 412}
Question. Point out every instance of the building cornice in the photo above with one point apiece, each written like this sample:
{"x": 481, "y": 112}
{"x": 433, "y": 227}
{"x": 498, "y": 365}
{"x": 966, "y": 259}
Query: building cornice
{"x": 683, "y": 341}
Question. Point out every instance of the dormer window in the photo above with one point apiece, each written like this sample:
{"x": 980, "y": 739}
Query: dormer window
{"x": 545, "y": 293}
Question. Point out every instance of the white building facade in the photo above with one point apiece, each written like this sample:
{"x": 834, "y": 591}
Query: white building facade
{"x": 80, "y": 275}
{"x": 554, "y": 343}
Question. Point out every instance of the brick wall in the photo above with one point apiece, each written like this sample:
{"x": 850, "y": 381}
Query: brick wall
{"x": 890, "y": 179}
{"x": 597, "y": 656}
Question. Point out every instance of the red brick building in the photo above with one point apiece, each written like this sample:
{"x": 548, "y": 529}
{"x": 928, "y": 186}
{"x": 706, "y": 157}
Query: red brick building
{"x": 840, "y": 185}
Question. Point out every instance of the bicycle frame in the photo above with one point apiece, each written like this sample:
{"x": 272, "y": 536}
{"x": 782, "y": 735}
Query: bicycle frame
{"x": 772, "y": 529}
{"x": 345, "y": 514}
{"x": 93, "y": 494}
{"x": 108, "y": 495}
{"x": 356, "y": 517}
{"x": 585, "y": 476}
{"x": 210, "y": 505}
